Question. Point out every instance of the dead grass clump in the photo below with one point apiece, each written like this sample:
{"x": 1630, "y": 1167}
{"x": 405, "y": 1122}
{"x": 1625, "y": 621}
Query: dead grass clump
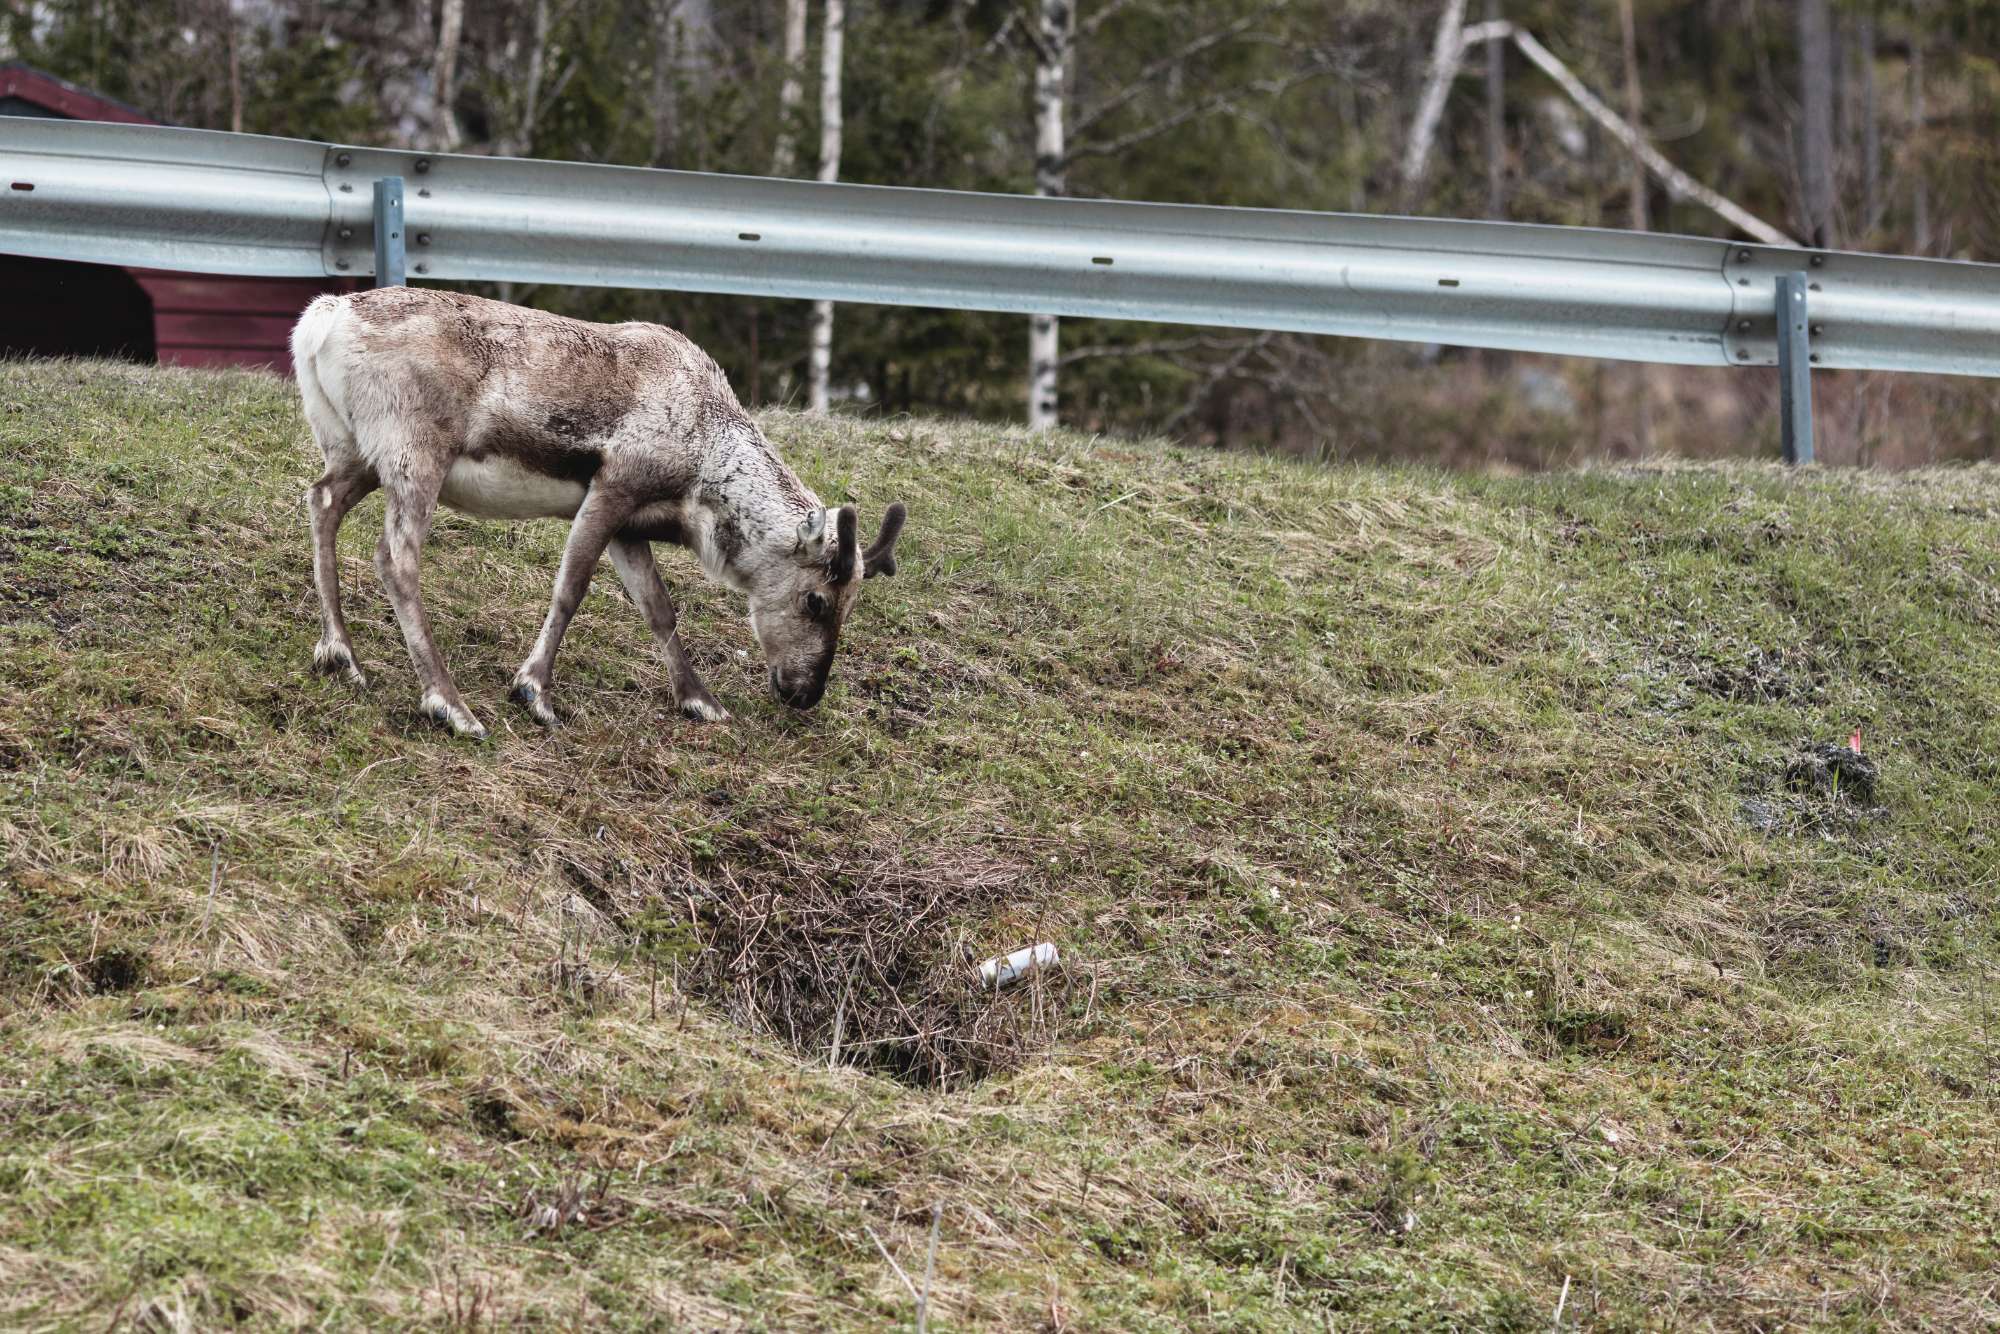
{"x": 574, "y": 1201}
{"x": 861, "y": 962}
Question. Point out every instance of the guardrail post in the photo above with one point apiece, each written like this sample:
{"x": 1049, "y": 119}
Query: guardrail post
{"x": 1795, "y": 368}
{"x": 389, "y": 232}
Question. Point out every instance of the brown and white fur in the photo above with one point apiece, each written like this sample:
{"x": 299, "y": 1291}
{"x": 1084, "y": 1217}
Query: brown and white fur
{"x": 629, "y": 430}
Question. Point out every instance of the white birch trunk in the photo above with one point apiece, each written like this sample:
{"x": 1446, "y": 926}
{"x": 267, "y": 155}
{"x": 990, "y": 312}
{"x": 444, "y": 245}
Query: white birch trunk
{"x": 1634, "y": 108}
{"x": 1496, "y": 120}
{"x": 444, "y": 76}
{"x": 234, "y": 33}
{"x": 664, "y": 89}
{"x": 784, "y": 156}
{"x": 531, "y": 98}
{"x": 1050, "y": 77}
{"x": 1446, "y": 53}
{"x": 819, "y": 359}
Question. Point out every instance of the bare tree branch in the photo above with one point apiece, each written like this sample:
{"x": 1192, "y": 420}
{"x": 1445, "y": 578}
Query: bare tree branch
{"x": 1224, "y": 100}
{"x": 1155, "y": 348}
{"x": 1678, "y": 183}
{"x": 1105, "y": 13}
{"x": 1217, "y": 373}
{"x": 1168, "y": 62}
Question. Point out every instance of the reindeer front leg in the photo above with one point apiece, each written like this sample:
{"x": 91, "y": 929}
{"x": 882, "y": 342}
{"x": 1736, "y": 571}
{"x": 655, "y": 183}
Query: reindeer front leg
{"x": 406, "y": 520}
{"x": 633, "y": 559}
{"x": 604, "y": 509}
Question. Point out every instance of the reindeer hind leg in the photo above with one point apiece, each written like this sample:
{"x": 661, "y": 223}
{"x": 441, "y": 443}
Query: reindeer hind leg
{"x": 347, "y": 480}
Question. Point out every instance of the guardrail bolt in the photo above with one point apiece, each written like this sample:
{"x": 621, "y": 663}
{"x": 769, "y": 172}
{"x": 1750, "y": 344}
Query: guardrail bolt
{"x": 346, "y": 233}
{"x": 1743, "y": 257}
{"x": 1742, "y": 353}
{"x": 423, "y": 268}
{"x": 1817, "y": 330}
{"x": 343, "y": 160}
{"x": 1743, "y": 326}
{"x": 1818, "y": 260}
{"x": 423, "y": 238}
{"x": 423, "y": 165}
{"x": 340, "y": 264}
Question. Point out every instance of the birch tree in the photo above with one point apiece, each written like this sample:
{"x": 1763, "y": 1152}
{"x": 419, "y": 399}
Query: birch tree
{"x": 1871, "y": 128}
{"x": 1496, "y": 120}
{"x": 1920, "y": 195}
{"x": 1447, "y": 51}
{"x": 1816, "y": 121}
{"x": 444, "y": 75}
{"x": 1634, "y": 105}
{"x": 684, "y": 49}
{"x": 791, "y": 92}
{"x": 819, "y": 358}
{"x": 1052, "y": 39}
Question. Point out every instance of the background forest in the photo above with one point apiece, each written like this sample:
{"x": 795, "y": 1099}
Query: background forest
{"x": 1860, "y": 125}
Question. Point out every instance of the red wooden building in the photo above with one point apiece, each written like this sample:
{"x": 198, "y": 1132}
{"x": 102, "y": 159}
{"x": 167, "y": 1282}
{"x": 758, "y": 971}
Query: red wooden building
{"x": 57, "y": 308}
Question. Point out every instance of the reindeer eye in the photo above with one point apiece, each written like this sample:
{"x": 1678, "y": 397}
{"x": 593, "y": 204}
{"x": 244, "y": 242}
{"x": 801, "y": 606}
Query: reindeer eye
{"x": 815, "y": 606}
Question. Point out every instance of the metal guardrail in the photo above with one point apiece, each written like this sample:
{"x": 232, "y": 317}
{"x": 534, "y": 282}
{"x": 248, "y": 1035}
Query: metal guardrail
{"x": 213, "y": 202}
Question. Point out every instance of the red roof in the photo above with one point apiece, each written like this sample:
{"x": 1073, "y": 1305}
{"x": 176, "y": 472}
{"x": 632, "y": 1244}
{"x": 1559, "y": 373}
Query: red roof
{"x": 199, "y": 319}
{"x": 65, "y": 99}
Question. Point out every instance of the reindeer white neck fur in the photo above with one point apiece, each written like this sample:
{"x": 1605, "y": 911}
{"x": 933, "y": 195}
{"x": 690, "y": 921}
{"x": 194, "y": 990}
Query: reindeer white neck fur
{"x": 629, "y": 430}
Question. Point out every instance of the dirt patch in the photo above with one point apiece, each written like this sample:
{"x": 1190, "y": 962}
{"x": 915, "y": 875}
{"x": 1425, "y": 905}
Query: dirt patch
{"x": 1822, "y": 789}
{"x": 1833, "y": 771}
{"x": 114, "y": 971}
{"x": 862, "y": 961}
{"x": 1757, "y": 676}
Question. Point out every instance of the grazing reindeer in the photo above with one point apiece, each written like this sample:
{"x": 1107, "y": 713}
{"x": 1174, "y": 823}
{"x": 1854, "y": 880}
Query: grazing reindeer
{"x": 629, "y": 429}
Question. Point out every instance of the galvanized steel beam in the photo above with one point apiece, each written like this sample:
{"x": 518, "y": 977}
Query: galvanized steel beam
{"x": 222, "y": 203}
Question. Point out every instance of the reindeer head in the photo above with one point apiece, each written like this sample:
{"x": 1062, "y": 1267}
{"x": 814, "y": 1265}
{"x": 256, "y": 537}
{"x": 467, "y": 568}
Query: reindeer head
{"x": 799, "y": 600}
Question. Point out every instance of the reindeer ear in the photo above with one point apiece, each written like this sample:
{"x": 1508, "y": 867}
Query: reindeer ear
{"x": 880, "y": 558}
{"x": 812, "y": 530}
{"x": 847, "y": 547}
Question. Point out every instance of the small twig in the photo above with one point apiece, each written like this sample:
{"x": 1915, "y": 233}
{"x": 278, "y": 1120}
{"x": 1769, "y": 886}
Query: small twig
{"x": 840, "y": 1017}
{"x": 214, "y": 879}
{"x": 1562, "y": 1301}
{"x": 838, "y": 1126}
{"x": 930, "y": 1269}
{"x": 1109, "y": 503}
{"x": 908, "y": 1286}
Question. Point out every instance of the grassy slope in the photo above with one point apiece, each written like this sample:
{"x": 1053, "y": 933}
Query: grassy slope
{"x": 1395, "y": 823}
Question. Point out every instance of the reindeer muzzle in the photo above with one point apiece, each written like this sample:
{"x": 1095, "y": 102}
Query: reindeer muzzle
{"x": 800, "y": 693}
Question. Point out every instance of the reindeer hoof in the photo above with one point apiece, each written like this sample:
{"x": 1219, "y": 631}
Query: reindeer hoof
{"x": 702, "y": 709}
{"x": 438, "y": 709}
{"x": 331, "y": 658}
{"x": 536, "y": 701}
